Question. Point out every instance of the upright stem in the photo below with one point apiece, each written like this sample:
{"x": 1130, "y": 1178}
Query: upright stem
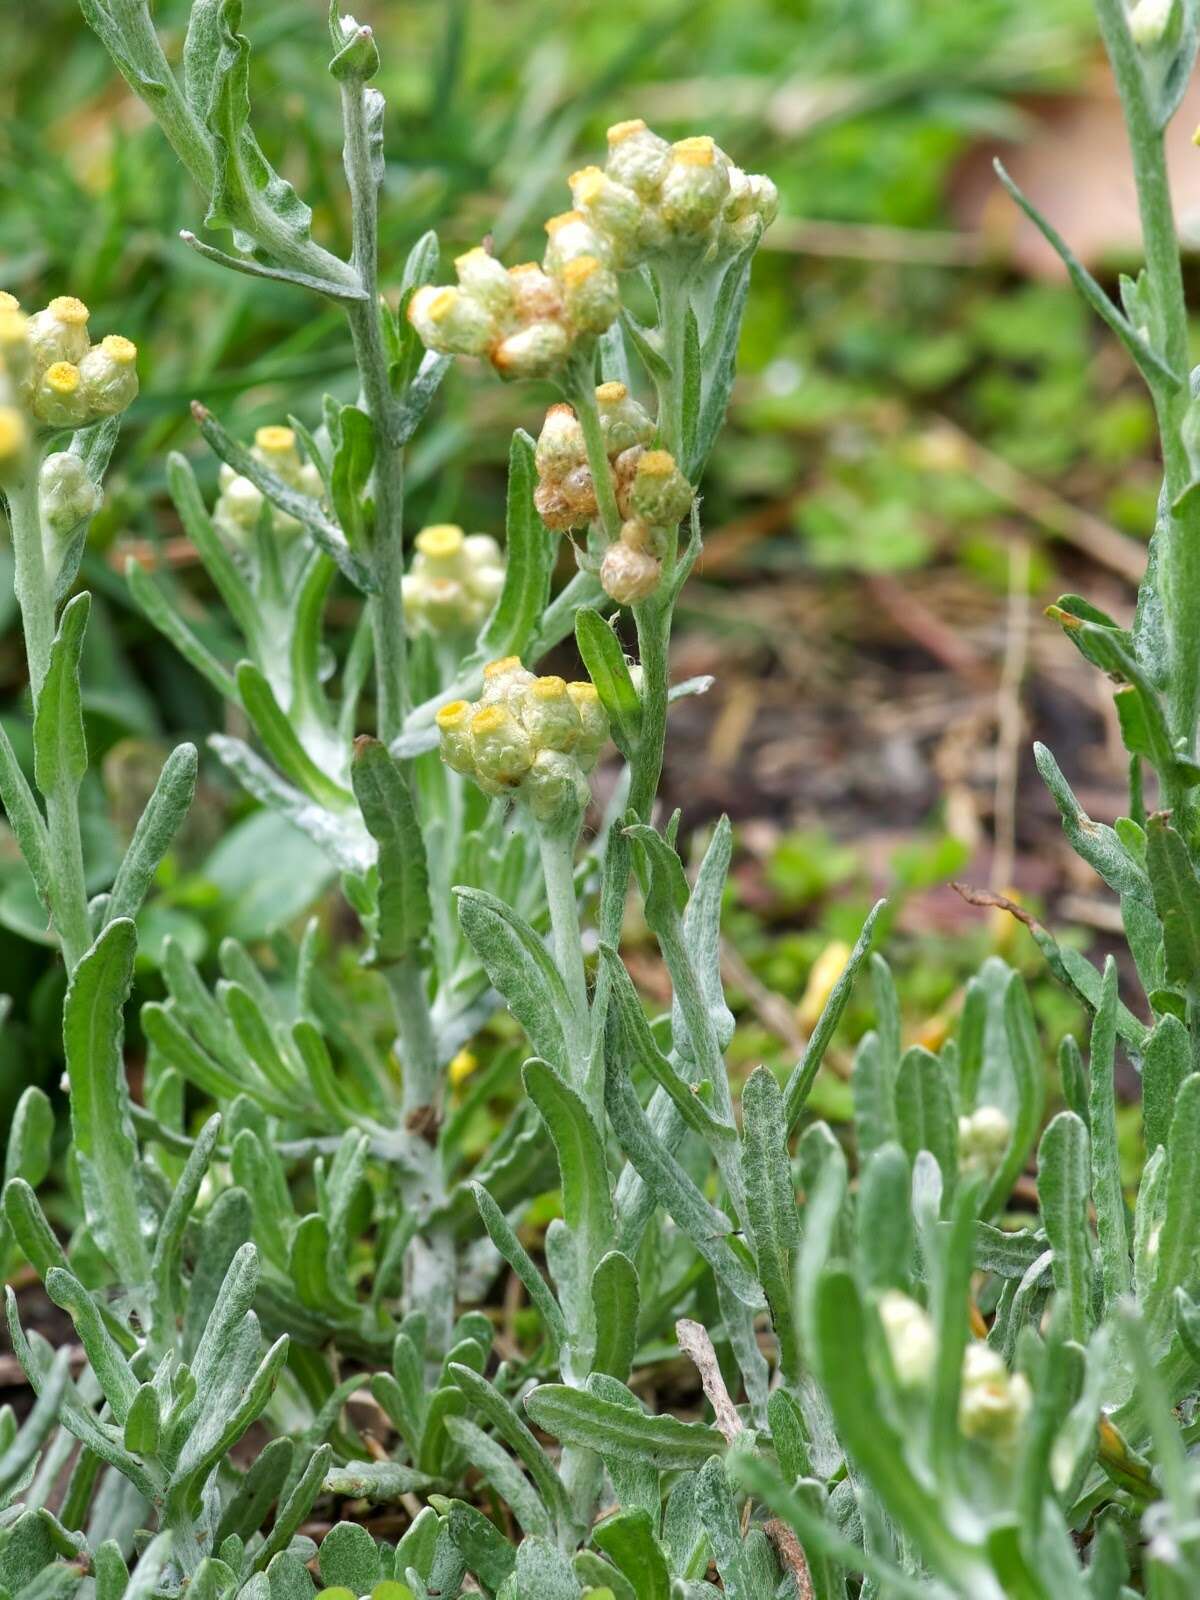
{"x": 581, "y": 387}
{"x": 1181, "y": 564}
{"x": 34, "y": 589}
{"x": 387, "y": 610}
{"x": 673, "y": 310}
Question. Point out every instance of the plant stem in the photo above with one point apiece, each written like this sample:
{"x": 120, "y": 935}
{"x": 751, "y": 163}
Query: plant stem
{"x": 673, "y": 312}
{"x": 1181, "y": 565}
{"x": 387, "y": 610}
{"x": 557, "y": 845}
{"x": 35, "y": 596}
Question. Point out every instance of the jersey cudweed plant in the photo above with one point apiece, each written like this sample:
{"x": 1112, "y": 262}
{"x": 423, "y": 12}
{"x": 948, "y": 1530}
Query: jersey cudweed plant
{"x": 282, "y": 1302}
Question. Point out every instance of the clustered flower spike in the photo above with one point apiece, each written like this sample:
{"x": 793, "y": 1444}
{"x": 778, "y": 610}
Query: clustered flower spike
{"x": 651, "y": 492}
{"x": 454, "y": 580}
{"x": 240, "y": 502}
{"x": 52, "y": 376}
{"x": 527, "y": 737}
{"x": 651, "y": 199}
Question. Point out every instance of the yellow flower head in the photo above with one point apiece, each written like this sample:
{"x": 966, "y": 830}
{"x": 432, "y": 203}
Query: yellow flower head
{"x": 124, "y": 352}
{"x": 66, "y": 308}
{"x": 440, "y": 541}
{"x": 12, "y": 433}
{"x": 275, "y": 441}
{"x": 620, "y": 131}
{"x": 62, "y": 377}
{"x": 699, "y": 151}
{"x": 9, "y": 302}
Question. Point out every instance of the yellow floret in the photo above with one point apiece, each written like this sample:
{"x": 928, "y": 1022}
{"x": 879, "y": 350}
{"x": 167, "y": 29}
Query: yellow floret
{"x": 69, "y": 310}
{"x": 442, "y": 303}
{"x": 453, "y": 715}
{"x": 583, "y": 692}
{"x": 656, "y": 464}
{"x": 63, "y": 377}
{"x": 578, "y": 270}
{"x": 475, "y": 253}
{"x": 549, "y": 688}
{"x": 696, "y": 152}
{"x": 586, "y": 184}
{"x": 611, "y": 394}
{"x": 12, "y": 326}
{"x": 440, "y": 540}
{"x": 553, "y": 224}
{"x": 502, "y": 667}
{"x": 12, "y": 433}
{"x": 124, "y": 352}
{"x": 9, "y": 302}
{"x": 488, "y": 718}
{"x": 625, "y": 130}
{"x": 462, "y": 1066}
{"x": 275, "y": 440}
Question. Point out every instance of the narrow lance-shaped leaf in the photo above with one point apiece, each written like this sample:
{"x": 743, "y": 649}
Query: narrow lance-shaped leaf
{"x": 388, "y": 811}
{"x": 59, "y": 741}
{"x": 105, "y": 1145}
{"x": 159, "y": 823}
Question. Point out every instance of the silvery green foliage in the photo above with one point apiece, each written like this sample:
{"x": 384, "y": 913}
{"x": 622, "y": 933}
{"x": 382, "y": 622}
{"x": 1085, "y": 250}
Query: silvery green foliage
{"x": 903, "y": 1394}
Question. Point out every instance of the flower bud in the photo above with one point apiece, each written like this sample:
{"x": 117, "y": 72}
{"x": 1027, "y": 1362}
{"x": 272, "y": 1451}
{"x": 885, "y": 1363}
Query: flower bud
{"x": 450, "y": 321}
{"x": 549, "y": 715}
{"x": 59, "y": 333}
{"x": 480, "y": 551}
{"x": 640, "y": 536}
{"x": 628, "y": 575}
{"x": 68, "y": 494}
{"x": 1149, "y": 21}
{"x": 593, "y": 723}
{"x": 696, "y": 185}
{"x": 15, "y": 354}
{"x": 536, "y": 296}
{"x": 501, "y": 748}
{"x": 454, "y": 726}
{"x": 660, "y": 494}
{"x": 993, "y": 1402}
{"x": 578, "y": 490}
{"x": 58, "y": 400}
{"x": 440, "y": 550}
{"x": 910, "y": 1336}
{"x": 486, "y": 281}
{"x": 533, "y": 352}
{"x": 591, "y": 295}
{"x": 445, "y": 604}
{"x": 612, "y": 209}
{"x": 14, "y": 435}
{"x": 553, "y": 507}
{"x": 238, "y": 509}
{"x": 502, "y": 676}
{"x": 108, "y": 373}
{"x": 555, "y": 787}
{"x": 637, "y": 157}
{"x": 624, "y": 475}
{"x": 983, "y": 1139}
{"x": 623, "y": 421}
{"x": 9, "y": 302}
{"x": 560, "y": 444}
{"x": 571, "y": 235}
{"x": 486, "y": 584}
{"x": 753, "y": 202}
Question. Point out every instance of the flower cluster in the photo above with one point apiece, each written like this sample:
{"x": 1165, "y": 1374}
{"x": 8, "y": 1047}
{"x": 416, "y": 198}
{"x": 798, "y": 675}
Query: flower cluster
{"x": 993, "y": 1401}
{"x": 983, "y": 1140}
{"x": 651, "y": 492}
{"x": 536, "y": 738}
{"x": 524, "y": 319}
{"x": 52, "y": 376}
{"x": 651, "y": 199}
{"x": 241, "y": 502}
{"x": 454, "y": 580}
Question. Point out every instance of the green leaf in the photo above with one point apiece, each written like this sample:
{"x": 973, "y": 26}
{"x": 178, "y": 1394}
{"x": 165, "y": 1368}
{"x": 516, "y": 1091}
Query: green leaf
{"x": 161, "y": 614}
{"x": 578, "y": 1418}
{"x": 1166, "y": 1062}
{"x": 159, "y": 823}
{"x": 483, "y": 1547}
{"x": 616, "y": 1307}
{"x": 925, "y": 1114}
{"x": 799, "y": 1085}
{"x": 884, "y": 1218}
{"x": 579, "y": 1145}
{"x": 105, "y": 1145}
{"x": 1177, "y": 897}
{"x": 117, "y": 1382}
{"x": 519, "y": 965}
{"x": 353, "y": 463}
{"x": 1064, "y": 1193}
{"x": 628, "y": 1540}
{"x": 1106, "y": 1189}
{"x": 529, "y": 552}
{"x": 27, "y": 1153}
{"x": 1175, "y": 1261}
{"x": 26, "y": 821}
{"x": 283, "y": 743}
{"x": 510, "y": 1247}
{"x": 1152, "y": 367}
{"x": 59, "y": 742}
{"x": 771, "y": 1207}
{"x": 609, "y": 671}
{"x": 341, "y": 837}
{"x": 350, "y": 1558}
{"x": 387, "y": 808}
{"x": 490, "y": 1406}
{"x": 143, "y": 1423}
{"x": 218, "y": 563}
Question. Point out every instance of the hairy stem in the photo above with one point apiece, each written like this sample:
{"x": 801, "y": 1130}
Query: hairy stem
{"x": 581, "y": 389}
{"x": 1181, "y": 566}
{"x": 557, "y": 846}
{"x": 34, "y": 588}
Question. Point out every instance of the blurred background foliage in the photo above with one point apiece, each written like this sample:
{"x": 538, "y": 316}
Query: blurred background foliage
{"x": 925, "y": 445}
